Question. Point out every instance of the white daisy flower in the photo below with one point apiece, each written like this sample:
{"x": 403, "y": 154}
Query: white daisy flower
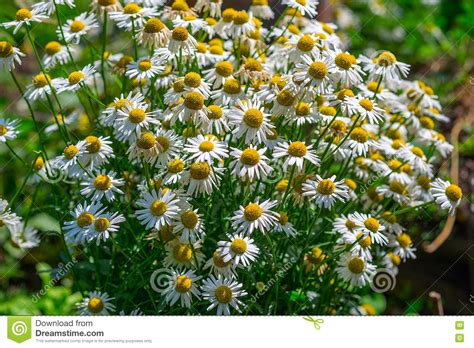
{"x": 222, "y": 293}
{"x": 157, "y": 208}
{"x": 345, "y": 69}
{"x": 230, "y": 93}
{"x": 284, "y": 225}
{"x": 255, "y": 216}
{"x": 182, "y": 286}
{"x": 24, "y": 237}
{"x": 55, "y": 53}
{"x": 250, "y": 163}
{"x": 295, "y": 153}
{"x": 41, "y": 87}
{"x": 182, "y": 40}
{"x": 110, "y": 114}
{"x": 154, "y": 34}
{"x": 181, "y": 255}
{"x": 369, "y": 226}
{"x": 7, "y": 218}
{"x": 242, "y": 24}
{"x": 75, "y": 28}
{"x": 240, "y": 249}
{"x": 308, "y": 7}
{"x": 365, "y": 108}
{"x": 96, "y": 303}
{"x": 25, "y": 17}
{"x": 97, "y": 151}
{"x": 49, "y": 6}
{"x": 261, "y": 9}
{"x": 202, "y": 178}
{"x": 313, "y": 73}
{"x": 217, "y": 120}
{"x": 104, "y": 225}
{"x": 386, "y": 66}
{"x": 325, "y": 192}
{"x": 403, "y": 246}
{"x": 219, "y": 74}
{"x": 131, "y": 121}
{"x": 8, "y": 129}
{"x": 189, "y": 225}
{"x": 170, "y": 146}
{"x": 132, "y": 16}
{"x": 218, "y": 266}
{"x": 144, "y": 68}
{"x": 77, "y": 230}
{"x": 68, "y": 160}
{"x": 102, "y": 185}
{"x": 448, "y": 196}
{"x": 355, "y": 269}
{"x": 9, "y": 55}
{"x": 206, "y": 148}
{"x": 76, "y": 79}
{"x": 359, "y": 141}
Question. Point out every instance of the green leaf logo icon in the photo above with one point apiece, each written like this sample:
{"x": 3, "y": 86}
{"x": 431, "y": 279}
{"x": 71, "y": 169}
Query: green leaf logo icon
{"x": 19, "y": 328}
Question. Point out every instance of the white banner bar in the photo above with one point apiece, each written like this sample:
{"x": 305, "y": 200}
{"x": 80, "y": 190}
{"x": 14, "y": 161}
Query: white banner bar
{"x": 238, "y": 332}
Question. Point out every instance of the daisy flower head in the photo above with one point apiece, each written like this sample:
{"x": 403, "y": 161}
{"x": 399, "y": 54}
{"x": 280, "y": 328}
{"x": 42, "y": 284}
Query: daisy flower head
{"x": 97, "y": 151}
{"x": 9, "y": 55}
{"x": 193, "y": 107}
{"x": 8, "y": 129}
{"x": 241, "y": 250}
{"x": 49, "y": 6}
{"x": 206, "y": 148}
{"x": 448, "y": 196}
{"x": 255, "y": 216}
{"x": 302, "y": 45}
{"x": 214, "y": 7}
{"x": 55, "y": 53}
{"x": 68, "y": 160}
{"x": 223, "y": 293}
{"x": 249, "y": 118}
{"x": 194, "y": 82}
{"x": 202, "y": 178}
{"x": 253, "y": 70}
{"x": 369, "y": 226}
{"x": 230, "y": 93}
{"x": 250, "y": 163}
{"x": 294, "y": 153}
{"x": 174, "y": 171}
{"x": 24, "y": 237}
{"x": 189, "y": 225}
{"x": 144, "y": 68}
{"x": 7, "y": 218}
{"x": 355, "y": 269}
{"x": 218, "y": 75}
{"x": 132, "y": 120}
{"x": 217, "y": 265}
{"x": 76, "y": 28}
{"x": 157, "y": 209}
{"x": 359, "y": 141}
{"x": 25, "y": 17}
{"x": 111, "y": 112}
{"x": 284, "y": 225}
{"x": 182, "y": 287}
{"x": 242, "y": 23}
{"x": 104, "y": 225}
{"x": 284, "y": 102}
{"x": 41, "y": 87}
{"x": 386, "y": 66}
{"x": 96, "y": 303}
{"x": 132, "y": 16}
{"x": 261, "y": 9}
{"x": 76, "y": 79}
{"x": 169, "y": 144}
{"x": 101, "y": 185}
{"x": 365, "y": 108}
{"x": 216, "y": 120}
{"x": 181, "y": 39}
{"x": 305, "y": 7}
{"x": 193, "y": 23}
{"x": 84, "y": 215}
{"x": 313, "y": 73}
{"x": 403, "y": 246}
{"x": 106, "y": 6}
{"x": 396, "y": 190}
{"x": 325, "y": 192}
{"x": 182, "y": 254}
{"x": 155, "y": 33}
{"x": 345, "y": 69}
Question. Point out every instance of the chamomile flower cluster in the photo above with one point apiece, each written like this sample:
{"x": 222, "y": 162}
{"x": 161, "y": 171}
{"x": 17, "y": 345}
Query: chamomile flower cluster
{"x": 216, "y": 149}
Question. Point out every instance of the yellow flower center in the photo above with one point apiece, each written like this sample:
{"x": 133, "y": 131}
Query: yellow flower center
{"x": 231, "y": 86}
{"x": 238, "y": 246}
{"x": 95, "y": 305}
{"x": 85, "y": 219}
{"x": 39, "y": 162}
{"x": 183, "y": 284}
{"x": 189, "y": 219}
{"x": 424, "y": 182}
{"x": 305, "y": 43}
{"x": 297, "y": 149}
{"x": 315, "y": 256}
{"x": 360, "y": 135}
{"x": 6, "y": 50}
{"x": 372, "y": 224}
{"x": 194, "y": 101}
{"x": 223, "y": 294}
{"x": 366, "y": 104}
{"x": 404, "y": 240}
{"x": 145, "y": 65}
{"x": 180, "y": 34}
{"x": 224, "y": 68}
{"x": 70, "y": 151}
{"x": 453, "y": 192}
{"x": 328, "y": 111}
{"x": 343, "y": 93}
{"x": 427, "y": 122}
{"x": 175, "y": 166}
{"x": 253, "y": 65}
{"x": 153, "y": 25}
{"x": 52, "y": 48}
{"x": 240, "y": 17}
{"x": 318, "y": 70}
{"x": 344, "y": 60}
{"x": 302, "y": 109}
{"x": 23, "y": 14}
{"x": 192, "y": 79}
{"x": 146, "y": 141}
{"x": 285, "y": 98}
{"x": 386, "y": 58}
{"x": 364, "y": 242}
{"x": 76, "y": 26}
{"x": 41, "y": 80}
{"x": 350, "y": 224}
{"x": 217, "y": 50}
{"x": 101, "y": 224}
{"x": 351, "y": 184}
{"x": 102, "y": 182}
{"x": 93, "y": 144}
{"x": 417, "y": 151}
{"x": 283, "y": 218}
{"x": 215, "y": 112}
{"x": 252, "y": 212}
{"x": 131, "y": 9}
{"x": 206, "y": 146}
{"x": 136, "y": 116}
{"x": 200, "y": 170}
{"x": 389, "y": 217}
{"x": 397, "y": 187}
{"x": 107, "y": 2}
{"x": 326, "y": 187}
{"x": 395, "y": 259}
{"x": 356, "y": 265}
{"x": 182, "y": 252}
{"x": 180, "y": 5}
{"x": 228, "y": 15}
{"x": 250, "y": 157}
{"x": 372, "y": 86}
{"x": 75, "y": 77}
{"x": 158, "y": 208}
{"x": 253, "y": 118}
{"x": 163, "y": 142}
{"x": 219, "y": 260}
